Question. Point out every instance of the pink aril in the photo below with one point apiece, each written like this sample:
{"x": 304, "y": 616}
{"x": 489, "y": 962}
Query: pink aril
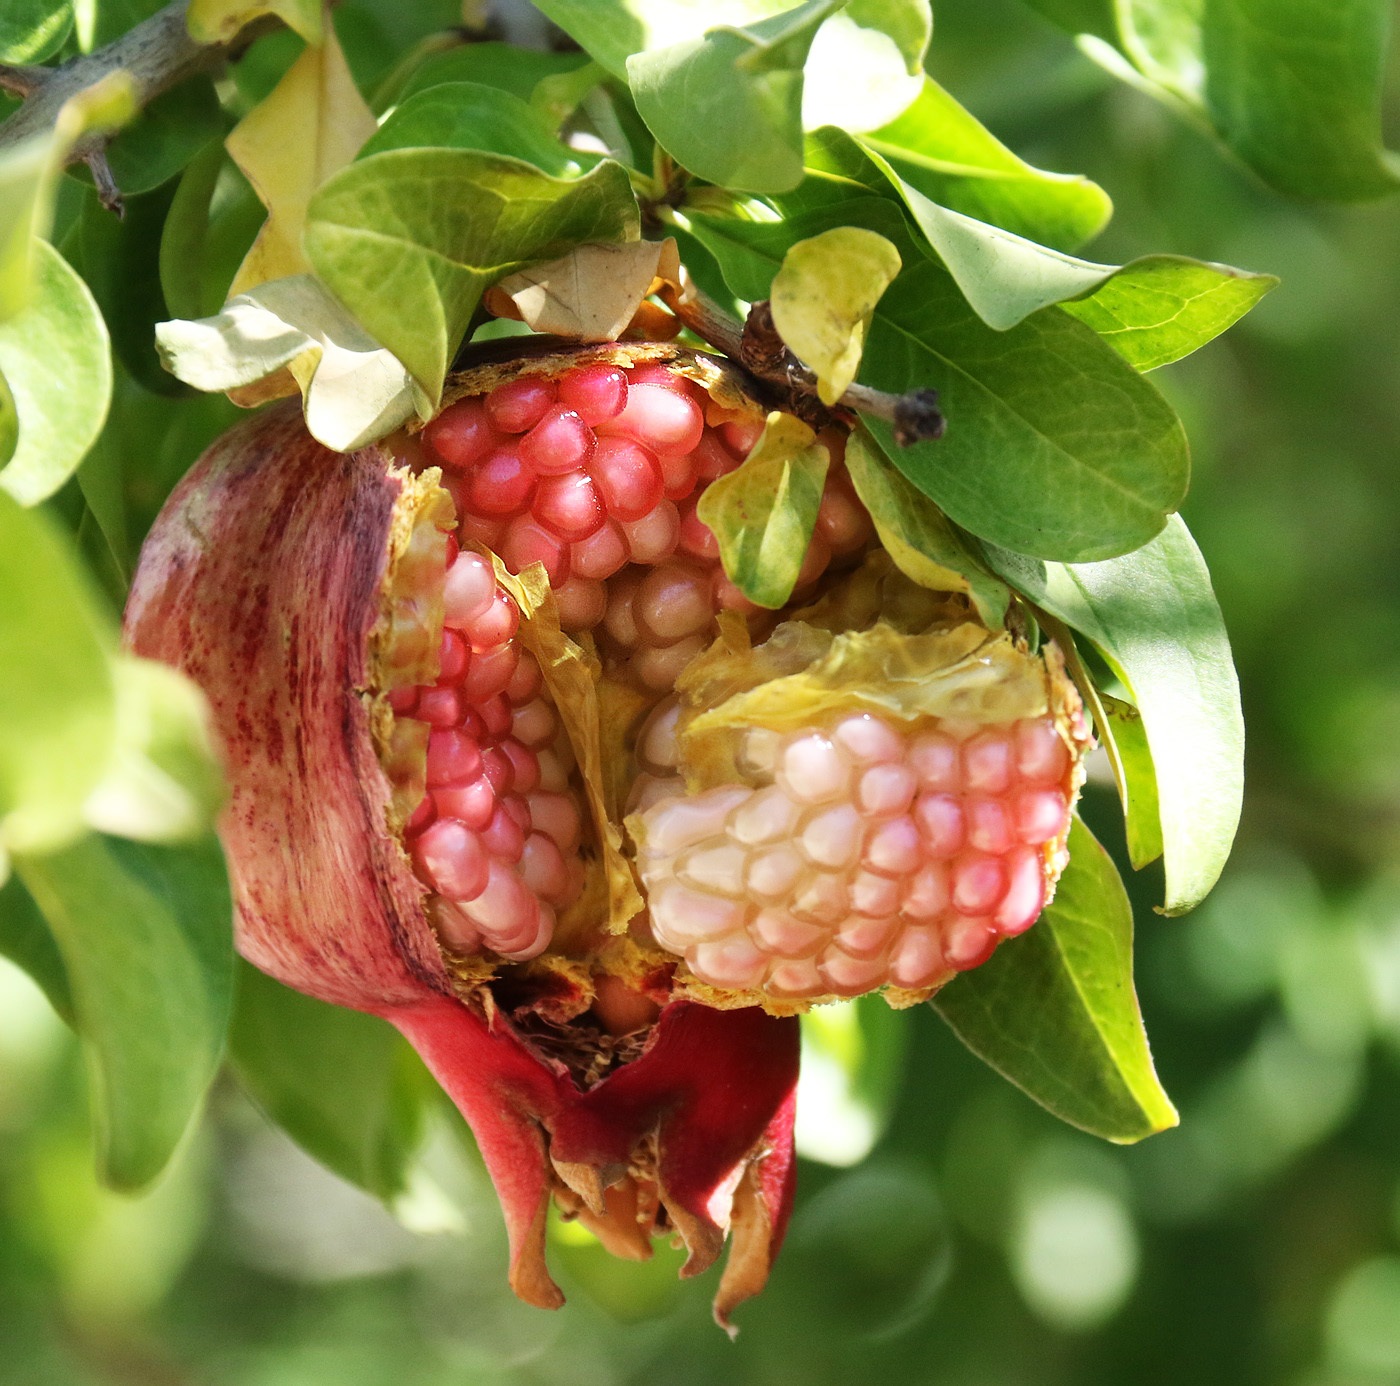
{"x": 894, "y": 848}
{"x": 468, "y": 591}
{"x": 842, "y": 521}
{"x": 489, "y": 672}
{"x": 989, "y": 827}
{"x": 886, "y": 791}
{"x": 654, "y": 537}
{"x": 1025, "y": 892}
{"x": 439, "y": 707}
{"x": 542, "y": 868}
{"x": 987, "y": 762}
{"x": 461, "y": 435}
{"x": 420, "y": 817}
{"x": 525, "y": 769}
{"x": 569, "y": 506}
{"x": 450, "y": 855}
{"x": 662, "y": 419}
{"x": 500, "y": 486}
{"x": 404, "y": 699}
{"x": 601, "y": 554}
{"x": 496, "y": 625}
{"x": 740, "y": 437}
{"x": 471, "y": 803}
{"x": 526, "y": 541}
{"x": 596, "y": 393}
{"x": 940, "y": 820}
{"x": 978, "y": 884}
{"x": 1040, "y": 815}
{"x": 657, "y": 667}
{"x": 557, "y": 816}
{"x": 497, "y": 770}
{"x": 453, "y": 757}
{"x": 674, "y": 600}
{"x": 452, "y": 657}
{"x": 533, "y": 723}
{"x": 695, "y": 538}
{"x": 519, "y": 404}
{"x": 502, "y": 837}
{"x": 496, "y": 715}
{"x": 580, "y": 603}
{"x": 1041, "y": 754}
{"x": 628, "y": 478}
{"x": 710, "y": 458}
{"x": 526, "y": 682}
{"x": 678, "y": 474}
{"x": 561, "y": 442}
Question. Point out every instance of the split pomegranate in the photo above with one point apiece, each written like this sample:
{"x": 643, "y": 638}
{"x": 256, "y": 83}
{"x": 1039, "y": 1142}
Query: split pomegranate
{"x": 515, "y": 765}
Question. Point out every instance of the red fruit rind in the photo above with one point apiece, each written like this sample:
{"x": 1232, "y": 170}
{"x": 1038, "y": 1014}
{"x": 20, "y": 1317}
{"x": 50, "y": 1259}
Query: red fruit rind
{"x": 265, "y": 580}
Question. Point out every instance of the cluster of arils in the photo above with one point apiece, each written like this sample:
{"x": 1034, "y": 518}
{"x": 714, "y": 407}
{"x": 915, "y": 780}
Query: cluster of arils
{"x": 856, "y": 853}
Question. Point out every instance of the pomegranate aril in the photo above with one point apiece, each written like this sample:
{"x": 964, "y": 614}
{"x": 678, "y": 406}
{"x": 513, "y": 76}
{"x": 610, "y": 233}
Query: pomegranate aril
{"x": 569, "y": 506}
{"x": 813, "y": 771}
{"x": 1041, "y": 754}
{"x": 740, "y": 437}
{"x": 500, "y": 486}
{"x": 525, "y": 770}
{"x": 628, "y": 477}
{"x": 1025, "y": 892}
{"x": 842, "y": 521}
{"x": 696, "y": 539}
{"x": 451, "y": 856}
{"x": 600, "y": 555}
{"x": 526, "y": 682}
{"x": 420, "y": 817}
{"x": 502, "y": 836}
{"x": 404, "y": 700}
{"x": 439, "y": 707}
{"x": 1040, "y": 815}
{"x": 978, "y": 884}
{"x": 519, "y": 404}
{"x": 659, "y": 666}
{"x": 467, "y": 591}
{"x": 673, "y": 601}
{"x": 711, "y": 459}
{"x": 940, "y": 819}
{"x": 533, "y": 723}
{"x": 496, "y": 715}
{"x": 595, "y": 393}
{"x": 987, "y": 763}
{"x": 581, "y": 604}
{"x": 662, "y": 419}
{"x": 461, "y": 434}
{"x": 557, "y": 816}
{"x": 489, "y": 672}
{"x": 496, "y": 625}
{"x": 497, "y": 770}
{"x": 654, "y": 537}
{"x": 989, "y": 826}
{"x": 471, "y": 803}
{"x": 526, "y": 542}
{"x": 452, "y": 658}
{"x": 453, "y": 757}
{"x": 678, "y": 474}
{"x": 561, "y": 442}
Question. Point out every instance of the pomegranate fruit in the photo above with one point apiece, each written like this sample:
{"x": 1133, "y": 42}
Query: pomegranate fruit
{"x": 516, "y": 766}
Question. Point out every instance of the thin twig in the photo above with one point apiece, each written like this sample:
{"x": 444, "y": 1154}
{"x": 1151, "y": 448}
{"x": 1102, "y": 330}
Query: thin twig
{"x": 157, "y": 55}
{"x": 913, "y": 415}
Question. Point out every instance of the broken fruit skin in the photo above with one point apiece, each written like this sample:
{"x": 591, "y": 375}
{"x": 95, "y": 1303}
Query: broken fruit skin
{"x": 275, "y": 578}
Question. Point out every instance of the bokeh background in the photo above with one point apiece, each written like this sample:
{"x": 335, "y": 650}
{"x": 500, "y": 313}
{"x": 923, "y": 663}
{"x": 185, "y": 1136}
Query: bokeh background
{"x": 947, "y": 1230}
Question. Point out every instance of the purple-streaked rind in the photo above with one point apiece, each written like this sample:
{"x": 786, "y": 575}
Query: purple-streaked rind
{"x": 262, "y": 581}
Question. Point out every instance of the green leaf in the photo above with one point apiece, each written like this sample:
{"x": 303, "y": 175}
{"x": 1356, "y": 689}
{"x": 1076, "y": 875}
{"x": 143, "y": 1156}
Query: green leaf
{"x": 342, "y": 1084}
{"x": 822, "y": 297}
{"x": 145, "y": 935}
{"x": 867, "y": 64}
{"x": 728, "y": 106}
{"x": 1142, "y": 812}
{"x": 28, "y": 943}
{"x": 409, "y": 240}
{"x": 119, "y": 259}
{"x": 1294, "y": 88}
{"x": 1055, "y": 445}
{"x": 1157, "y": 308}
{"x": 32, "y": 30}
{"x": 764, "y": 511}
{"x": 55, "y": 359}
{"x": 1055, "y": 1013}
{"x": 1153, "y": 616}
{"x": 515, "y": 70}
{"x": 467, "y": 115}
{"x": 57, "y": 706}
{"x": 9, "y": 423}
{"x": 184, "y": 238}
{"x": 1162, "y": 307}
{"x": 918, "y": 536}
{"x": 950, "y": 157}
{"x": 164, "y": 782}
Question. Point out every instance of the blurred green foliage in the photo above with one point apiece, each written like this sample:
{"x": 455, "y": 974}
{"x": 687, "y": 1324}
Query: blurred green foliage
{"x": 959, "y": 1234}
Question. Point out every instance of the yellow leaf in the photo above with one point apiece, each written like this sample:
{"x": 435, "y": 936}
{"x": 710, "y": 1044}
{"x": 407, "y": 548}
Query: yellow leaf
{"x": 822, "y": 299}
{"x": 593, "y": 292}
{"x": 217, "y": 21}
{"x": 311, "y": 125}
